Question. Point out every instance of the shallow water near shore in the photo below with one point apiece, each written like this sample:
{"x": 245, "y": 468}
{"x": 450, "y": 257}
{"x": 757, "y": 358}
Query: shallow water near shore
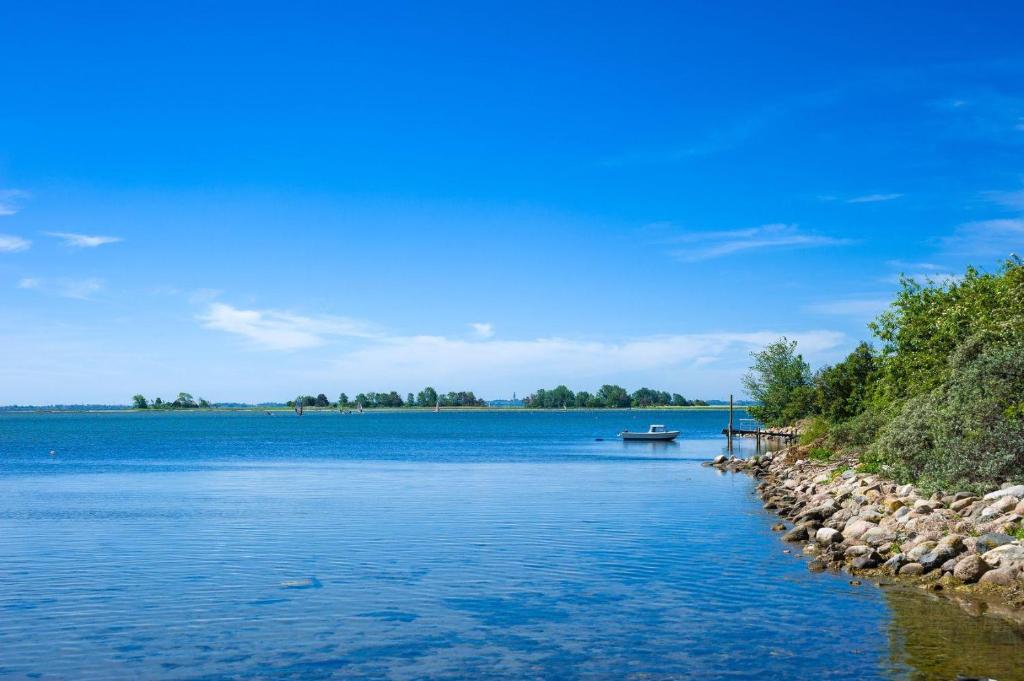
{"x": 418, "y": 545}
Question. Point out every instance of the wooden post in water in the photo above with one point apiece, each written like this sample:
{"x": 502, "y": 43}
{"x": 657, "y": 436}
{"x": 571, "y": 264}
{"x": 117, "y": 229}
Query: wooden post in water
{"x": 730, "y": 422}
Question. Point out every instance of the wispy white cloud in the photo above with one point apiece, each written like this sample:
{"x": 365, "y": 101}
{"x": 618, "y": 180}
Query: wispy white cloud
{"x": 84, "y": 240}
{"x": 661, "y": 359}
{"x": 991, "y": 238}
{"x": 1012, "y": 199}
{"x": 11, "y": 200}
{"x": 79, "y": 289}
{"x": 280, "y": 330}
{"x": 873, "y": 198}
{"x": 850, "y": 307}
{"x": 361, "y": 353}
{"x": 13, "y": 244}
{"x": 715, "y": 244}
{"x": 483, "y": 329}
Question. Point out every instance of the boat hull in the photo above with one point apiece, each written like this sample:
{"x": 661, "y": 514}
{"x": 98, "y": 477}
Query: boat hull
{"x": 651, "y": 437}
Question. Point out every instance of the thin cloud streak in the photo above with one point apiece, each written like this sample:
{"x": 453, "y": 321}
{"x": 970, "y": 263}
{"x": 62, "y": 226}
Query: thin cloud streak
{"x": 716, "y": 244}
{"x": 12, "y": 244}
{"x": 991, "y": 238}
{"x": 77, "y": 289}
{"x": 11, "y": 199}
{"x": 874, "y": 198}
{"x": 280, "y": 330}
{"x": 74, "y": 240}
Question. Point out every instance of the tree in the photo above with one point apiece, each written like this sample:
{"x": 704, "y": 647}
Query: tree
{"x": 158, "y": 403}
{"x": 679, "y": 401}
{"x": 426, "y": 397}
{"x": 362, "y": 400}
{"x": 322, "y": 401}
{"x": 583, "y": 399}
{"x": 203, "y": 404}
{"x": 342, "y": 400}
{"x": 780, "y": 381}
{"x": 613, "y": 396}
{"x": 410, "y": 400}
{"x": 139, "y": 402}
{"x": 841, "y": 391}
{"x": 185, "y": 401}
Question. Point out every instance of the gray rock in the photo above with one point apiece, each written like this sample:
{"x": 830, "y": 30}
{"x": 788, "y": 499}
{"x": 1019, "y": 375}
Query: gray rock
{"x": 1014, "y": 491}
{"x": 924, "y": 506}
{"x": 949, "y": 565}
{"x": 970, "y": 568}
{"x": 921, "y": 549}
{"x": 961, "y": 504}
{"x": 935, "y": 558}
{"x": 798, "y": 533}
{"x": 1007, "y": 554}
{"x": 868, "y": 562}
{"x": 856, "y": 528}
{"x": 877, "y": 536}
{"x": 987, "y": 542}
{"x": 911, "y": 570}
{"x": 827, "y": 535}
{"x": 1005, "y": 504}
{"x": 952, "y": 541}
{"x": 858, "y": 551}
{"x": 778, "y": 527}
{"x": 1000, "y": 577}
{"x": 894, "y": 563}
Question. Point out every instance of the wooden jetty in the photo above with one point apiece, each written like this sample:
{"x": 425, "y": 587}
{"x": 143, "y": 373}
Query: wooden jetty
{"x": 731, "y": 431}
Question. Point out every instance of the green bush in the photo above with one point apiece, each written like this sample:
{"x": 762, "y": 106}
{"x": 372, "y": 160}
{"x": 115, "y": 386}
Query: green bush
{"x": 857, "y": 432}
{"x": 963, "y": 433}
{"x": 815, "y": 429}
{"x": 820, "y": 454}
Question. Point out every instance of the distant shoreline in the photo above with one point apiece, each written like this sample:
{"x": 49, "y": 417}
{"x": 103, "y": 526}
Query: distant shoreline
{"x": 373, "y": 410}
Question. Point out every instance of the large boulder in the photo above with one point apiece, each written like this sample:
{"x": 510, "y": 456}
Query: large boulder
{"x": 911, "y": 570}
{"x": 935, "y": 558}
{"x": 961, "y": 504}
{"x": 971, "y": 568}
{"x": 877, "y": 536}
{"x": 826, "y": 536}
{"x": 856, "y": 528}
{"x": 1007, "y": 554}
{"x": 1014, "y": 491}
{"x": 987, "y": 542}
{"x": 1000, "y": 577}
{"x": 921, "y": 549}
{"x": 798, "y": 533}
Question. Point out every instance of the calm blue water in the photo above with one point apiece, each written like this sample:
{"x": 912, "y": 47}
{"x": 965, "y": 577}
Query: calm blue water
{"x": 412, "y": 546}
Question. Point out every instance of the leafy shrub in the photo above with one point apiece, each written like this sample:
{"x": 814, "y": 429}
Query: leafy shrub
{"x": 820, "y": 454}
{"x": 780, "y": 383}
{"x": 814, "y": 430}
{"x": 841, "y": 391}
{"x": 962, "y": 433}
{"x": 857, "y": 432}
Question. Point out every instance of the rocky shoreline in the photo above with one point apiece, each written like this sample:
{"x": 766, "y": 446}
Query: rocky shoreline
{"x": 966, "y": 546}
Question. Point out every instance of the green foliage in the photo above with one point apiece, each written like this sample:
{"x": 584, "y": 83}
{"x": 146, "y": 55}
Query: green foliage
{"x": 841, "y": 391}
{"x": 839, "y": 470}
{"x": 342, "y": 400}
{"x": 139, "y": 402}
{"x": 869, "y": 467}
{"x": 856, "y": 433}
{"x": 927, "y": 322}
{"x": 780, "y": 382}
{"x": 820, "y": 454}
{"x": 816, "y": 429}
{"x": 608, "y": 396}
{"x": 427, "y": 397}
{"x": 958, "y": 434}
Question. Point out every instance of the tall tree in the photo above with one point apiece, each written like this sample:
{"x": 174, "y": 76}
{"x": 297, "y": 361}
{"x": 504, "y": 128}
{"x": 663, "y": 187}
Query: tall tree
{"x": 780, "y": 382}
{"x": 139, "y": 402}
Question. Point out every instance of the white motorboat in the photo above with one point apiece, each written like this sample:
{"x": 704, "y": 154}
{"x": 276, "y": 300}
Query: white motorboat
{"x": 655, "y": 433}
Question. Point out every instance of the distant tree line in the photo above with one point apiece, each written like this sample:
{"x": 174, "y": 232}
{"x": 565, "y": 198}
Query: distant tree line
{"x": 607, "y": 397}
{"x": 428, "y": 397}
{"x": 184, "y": 401}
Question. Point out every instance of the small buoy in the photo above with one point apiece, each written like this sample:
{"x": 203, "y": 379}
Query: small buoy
{"x": 53, "y": 452}
{"x": 598, "y": 439}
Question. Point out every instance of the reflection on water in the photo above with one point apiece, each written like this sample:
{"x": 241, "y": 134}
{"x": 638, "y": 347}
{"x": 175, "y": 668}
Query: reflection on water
{"x": 421, "y": 546}
{"x": 932, "y": 636}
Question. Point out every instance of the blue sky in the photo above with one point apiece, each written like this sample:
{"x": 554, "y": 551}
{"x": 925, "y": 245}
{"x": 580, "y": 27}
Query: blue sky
{"x": 255, "y": 200}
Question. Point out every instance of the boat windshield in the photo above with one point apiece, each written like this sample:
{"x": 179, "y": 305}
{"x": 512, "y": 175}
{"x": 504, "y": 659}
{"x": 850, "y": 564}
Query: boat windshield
{"x": 657, "y": 429}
